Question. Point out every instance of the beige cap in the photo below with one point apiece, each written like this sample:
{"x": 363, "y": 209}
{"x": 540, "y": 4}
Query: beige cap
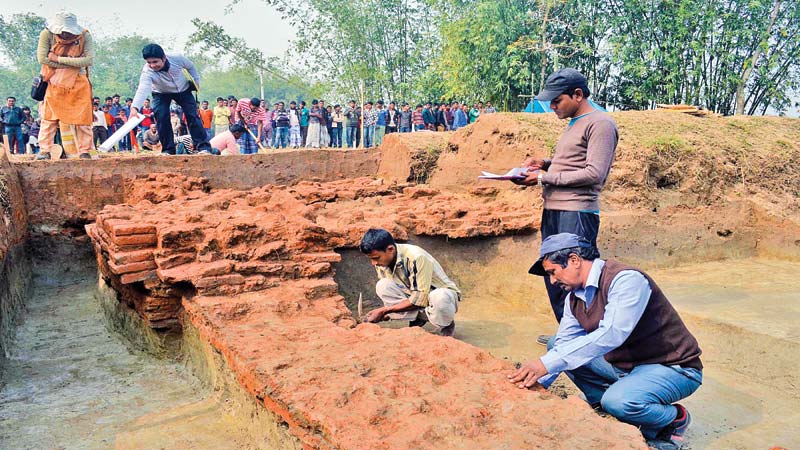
{"x": 64, "y": 21}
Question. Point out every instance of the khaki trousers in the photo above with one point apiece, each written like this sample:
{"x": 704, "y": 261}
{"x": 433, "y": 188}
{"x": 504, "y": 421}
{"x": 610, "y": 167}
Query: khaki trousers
{"x": 47, "y": 134}
{"x": 441, "y": 309}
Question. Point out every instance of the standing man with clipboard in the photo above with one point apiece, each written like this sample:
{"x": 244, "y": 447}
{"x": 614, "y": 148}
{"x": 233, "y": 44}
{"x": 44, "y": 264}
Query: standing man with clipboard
{"x": 170, "y": 77}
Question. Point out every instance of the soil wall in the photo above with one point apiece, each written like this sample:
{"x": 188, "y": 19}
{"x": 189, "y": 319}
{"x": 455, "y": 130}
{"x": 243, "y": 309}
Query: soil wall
{"x": 69, "y": 193}
{"x": 680, "y": 186}
{"x": 15, "y": 265}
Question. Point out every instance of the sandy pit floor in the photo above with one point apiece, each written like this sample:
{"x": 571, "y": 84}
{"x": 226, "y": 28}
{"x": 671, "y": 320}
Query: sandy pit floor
{"x": 72, "y": 382}
{"x": 744, "y": 314}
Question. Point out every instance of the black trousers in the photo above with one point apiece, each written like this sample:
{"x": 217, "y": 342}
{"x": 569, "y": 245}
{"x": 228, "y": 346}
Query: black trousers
{"x": 187, "y": 102}
{"x": 581, "y": 223}
{"x": 303, "y": 135}
{"x": 99, "y": 135}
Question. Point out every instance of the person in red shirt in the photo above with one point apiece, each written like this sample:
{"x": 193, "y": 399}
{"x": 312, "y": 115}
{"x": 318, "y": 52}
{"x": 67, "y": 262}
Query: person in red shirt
{"x": 206, "y": 116}
{"x": 147, "y": 112}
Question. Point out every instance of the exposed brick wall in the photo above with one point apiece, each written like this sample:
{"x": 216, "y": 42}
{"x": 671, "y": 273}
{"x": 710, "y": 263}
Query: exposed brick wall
{"x": 71, "y": 192}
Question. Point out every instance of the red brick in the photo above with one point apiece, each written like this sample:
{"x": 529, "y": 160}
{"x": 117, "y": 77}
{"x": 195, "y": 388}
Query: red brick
{"x": 213, "y": 282}
{"x": 132, "y": 267}
{"x": 135, "y": 239}
{"x": 330, "y": 257}
{"x": 251, "y": 267}
{"x": 129, "y": 278}
{"x": 216, "y": 268}
{"x": 173, "y": 260}
{"x": 121, "y": 258}
{"x": 130, "y": 228}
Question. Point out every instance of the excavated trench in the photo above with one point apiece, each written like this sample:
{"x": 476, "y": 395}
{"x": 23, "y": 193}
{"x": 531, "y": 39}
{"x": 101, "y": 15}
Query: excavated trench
{"x": 98, "y": 378}
{"x": 83, "y": 371}
{"x": 745, "y": 313}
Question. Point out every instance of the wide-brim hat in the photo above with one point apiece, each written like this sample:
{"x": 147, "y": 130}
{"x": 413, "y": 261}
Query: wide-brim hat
{"x": 64, "y": 21}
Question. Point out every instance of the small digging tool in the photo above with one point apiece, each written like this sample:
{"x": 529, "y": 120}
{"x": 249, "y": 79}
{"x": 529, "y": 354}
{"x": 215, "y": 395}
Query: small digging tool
{"x": 360, "y": 307}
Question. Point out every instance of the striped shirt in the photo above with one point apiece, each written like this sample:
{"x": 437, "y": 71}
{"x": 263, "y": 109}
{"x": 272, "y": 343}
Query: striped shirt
{"x": 251, "y": 117}
{"x": 416, "y": 118}
{"x": 186, "y": 140}
{"x": 418, "y": 272}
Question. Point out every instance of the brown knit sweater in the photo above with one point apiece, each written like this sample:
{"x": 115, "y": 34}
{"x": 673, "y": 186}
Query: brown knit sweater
{"x": 580, "y": 164}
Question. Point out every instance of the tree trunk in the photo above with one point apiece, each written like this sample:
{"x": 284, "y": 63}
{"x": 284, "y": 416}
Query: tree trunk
{"x": 544, "y": 44}
{"x": 740, "y": 100}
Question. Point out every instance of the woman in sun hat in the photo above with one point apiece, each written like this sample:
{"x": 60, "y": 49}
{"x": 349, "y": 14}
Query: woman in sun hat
{"x": 66, "y": 51}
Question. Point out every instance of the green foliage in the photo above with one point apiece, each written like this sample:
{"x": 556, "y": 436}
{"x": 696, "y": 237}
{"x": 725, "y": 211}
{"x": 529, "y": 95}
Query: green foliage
{"x": 117, "y": 65}
{"x": 480, "y": 58}
{"x": 386, "y": 44}
{"x": 636, "y": 53}
{"x": 19, "y": 37}
{"x": 247, "y": 65}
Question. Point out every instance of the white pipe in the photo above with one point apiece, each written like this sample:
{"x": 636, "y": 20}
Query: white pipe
{"x": 122, "y": 132}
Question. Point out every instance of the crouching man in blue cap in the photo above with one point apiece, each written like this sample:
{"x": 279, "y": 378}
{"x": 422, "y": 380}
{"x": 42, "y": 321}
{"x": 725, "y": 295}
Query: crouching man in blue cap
{"x": 620, "y": 341}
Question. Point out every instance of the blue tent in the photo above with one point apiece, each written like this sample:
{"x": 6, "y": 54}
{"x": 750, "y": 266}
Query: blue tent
{"x": 539, "y": 107}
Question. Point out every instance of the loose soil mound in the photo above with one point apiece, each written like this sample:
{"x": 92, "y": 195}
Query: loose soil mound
{"x": 662, "y": 159}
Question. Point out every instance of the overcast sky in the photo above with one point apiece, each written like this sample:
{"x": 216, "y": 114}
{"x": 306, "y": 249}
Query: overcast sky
{"x": 168, "y": 20}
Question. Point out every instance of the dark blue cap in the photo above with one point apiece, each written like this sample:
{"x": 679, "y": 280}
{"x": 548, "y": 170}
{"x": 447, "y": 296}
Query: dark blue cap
{"x": 554, "y": 243}
{"x": 562, "y": 81}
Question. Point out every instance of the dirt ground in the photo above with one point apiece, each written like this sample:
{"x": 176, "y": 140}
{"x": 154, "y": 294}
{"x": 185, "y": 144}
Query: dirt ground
{"x": 744, "y": 313}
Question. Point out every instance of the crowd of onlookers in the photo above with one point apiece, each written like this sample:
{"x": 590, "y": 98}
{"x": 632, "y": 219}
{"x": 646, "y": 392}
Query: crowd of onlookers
{"x": 295, "y": 125}
{"x": 20, "y": 128}
{"x": 319, "y": 125}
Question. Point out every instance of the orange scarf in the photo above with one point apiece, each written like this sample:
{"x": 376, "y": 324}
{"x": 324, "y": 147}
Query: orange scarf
{"x": 69, "y": 94}
{"x": 64, "y": 47}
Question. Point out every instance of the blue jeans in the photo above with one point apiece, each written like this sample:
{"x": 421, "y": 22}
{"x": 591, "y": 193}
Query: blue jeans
{"x": 642, "y": 396}
{"x": 281, "y": 137}
{"x": 14, "y": 133}
{"x": 351, "y": 136}
{"x": 419, "y": 127}
{"x": 405, "y": 129}
{"x": 336, "y": 137}
{"x": 369, "y": 132}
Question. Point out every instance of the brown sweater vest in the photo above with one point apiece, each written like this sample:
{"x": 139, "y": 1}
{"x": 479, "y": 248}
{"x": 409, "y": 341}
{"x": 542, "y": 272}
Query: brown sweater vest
{"x": 660, "y": 337}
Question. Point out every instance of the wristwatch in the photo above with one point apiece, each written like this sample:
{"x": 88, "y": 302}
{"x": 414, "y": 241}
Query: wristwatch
{"x": 539, "y": 178}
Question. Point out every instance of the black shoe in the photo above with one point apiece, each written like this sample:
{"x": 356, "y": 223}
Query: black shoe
{"x": 42, "y": 156}
{"x": 675, "y": 432}
{"x": 419, "y": 321}
{"x": 85, "y": 156}
{"x": 449, "y": 330}
{"x": 543, "y": 339}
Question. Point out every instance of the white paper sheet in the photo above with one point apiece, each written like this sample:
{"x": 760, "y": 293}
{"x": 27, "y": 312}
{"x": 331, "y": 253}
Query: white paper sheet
{"x": 517, "y": 173}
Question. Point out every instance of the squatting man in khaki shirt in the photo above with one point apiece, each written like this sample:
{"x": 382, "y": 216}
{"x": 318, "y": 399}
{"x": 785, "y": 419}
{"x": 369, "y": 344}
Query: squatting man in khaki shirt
{"x": 410, "y": 281}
